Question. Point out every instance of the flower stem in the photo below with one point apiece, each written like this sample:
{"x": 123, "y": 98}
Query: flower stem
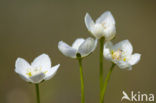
{"x": 82, "y": 81}
{"x": 101, "y": 65}
{"x": 106, "y": 82}
{"x": 37, "y": 93}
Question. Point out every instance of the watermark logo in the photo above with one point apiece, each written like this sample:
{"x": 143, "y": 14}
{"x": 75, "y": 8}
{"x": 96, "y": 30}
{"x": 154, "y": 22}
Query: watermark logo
{"x": 137, "y": 96}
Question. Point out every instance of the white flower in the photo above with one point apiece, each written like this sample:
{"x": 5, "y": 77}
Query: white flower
{"x": 121, "y": 54}
{"x": 80, "y": 46}
{"x": 39, "y": 70}
{"x": 103, "y": 27}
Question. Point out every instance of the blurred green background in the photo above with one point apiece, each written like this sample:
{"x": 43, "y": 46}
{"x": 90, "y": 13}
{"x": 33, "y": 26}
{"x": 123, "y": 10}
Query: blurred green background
{"x": 31, "y": 27}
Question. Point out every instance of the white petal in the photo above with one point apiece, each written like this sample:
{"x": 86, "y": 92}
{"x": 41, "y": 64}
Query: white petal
{"x": 109, "y": 32}
{"x": 24, "y": 77}
{"x": 97, "y": 31}
{"x": 125, "y": 46}
{"x": 87, "y": 47}
{"x": 107, "y": 50}
{"x": 66, "y": 49}
{"x": 108, "y": 22}
{"x": 77, "y": 43}
{"x": 21, "y": 66}
{"x": 106, "y": 18}
{"x": 123, "y": 64}
{"x": 51, "y": 72}
{"x": 43, "y": 61}
{"x": 88, "y": 21}
{"x": 37, "y": 78}
{"x": 135, "y": 58}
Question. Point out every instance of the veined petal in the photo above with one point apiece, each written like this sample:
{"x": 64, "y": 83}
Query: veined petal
{"x": 89, "y": 21}
{"x": 66, "y": 49}
{"x": 106, "y": 18}
{"x": 107, "y": 50}
{"x": 77, "y": 43}
{"x": 42, "y": 61}
{"x": 37, "y": 78}
{"x": 125, "y": 46}
{"x": 51, "y": 72}
{"x": 87, "y": 47}
{"x": 21, "y": 66}
{"x": 135, "y": 58}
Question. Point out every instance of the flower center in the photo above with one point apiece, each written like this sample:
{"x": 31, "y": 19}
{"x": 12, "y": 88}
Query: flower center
{"x": 34, "y": 71}
{"x": 118, "y": 55}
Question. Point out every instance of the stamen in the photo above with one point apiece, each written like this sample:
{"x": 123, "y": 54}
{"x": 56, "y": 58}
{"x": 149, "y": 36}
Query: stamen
{"x": 124, "y": 59}
{"x": 34, "y": 71}
{"x": 45, "y": 72}
{"x": 112, "y": 52}
{"x": 29, "y": 74}
{"x": 117, "y": 54}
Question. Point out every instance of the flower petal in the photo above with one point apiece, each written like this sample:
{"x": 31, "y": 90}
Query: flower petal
{"x": 24, "y": 77}
{"x": 125, "y": 46}
{"x": 107, "y": 50}
{"x": 77, "y": 43}
{"x": 106, "y": 18}
{"x": 87, "y": 47}
{"x": 123, "y": 64}
{"x": 109, "y": 33}
{"x": 37, "y": 78}
{"x": 108, "y": 22}
{"x": 88, "y": 21}
{"x": 51, "y": 72}
{"x": 134, "y": 59}
{"x": 42, "y": 61}
{"x": 66, "y": 49}
{"x": 21, "y": 66}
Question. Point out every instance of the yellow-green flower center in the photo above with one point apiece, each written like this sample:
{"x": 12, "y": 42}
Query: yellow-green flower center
{"x": 117, "y": 55}
{"x": 34, "y": 71}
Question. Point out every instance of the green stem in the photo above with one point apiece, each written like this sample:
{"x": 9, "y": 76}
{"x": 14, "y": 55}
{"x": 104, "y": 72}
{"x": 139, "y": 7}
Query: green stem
{"x": 82, "y": 81}
{"x": 101, "y": 64}
{"x": 106, "y": 82}
{"x": 37, "y": 93}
